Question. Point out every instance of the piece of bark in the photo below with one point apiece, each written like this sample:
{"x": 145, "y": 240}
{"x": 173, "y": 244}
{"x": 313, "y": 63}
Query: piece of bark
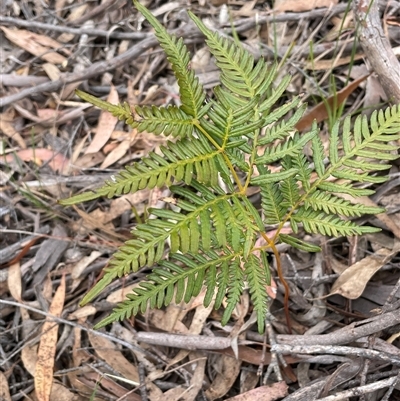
{"x": 377, "y": 47}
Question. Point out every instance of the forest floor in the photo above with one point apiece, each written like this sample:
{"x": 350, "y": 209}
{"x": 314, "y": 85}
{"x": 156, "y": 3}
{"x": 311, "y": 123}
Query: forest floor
{"x": 344, "y": 301}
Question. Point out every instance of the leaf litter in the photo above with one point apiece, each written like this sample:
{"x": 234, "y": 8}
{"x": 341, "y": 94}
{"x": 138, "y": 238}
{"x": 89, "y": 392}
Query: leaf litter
{"x": 54, "y": 145}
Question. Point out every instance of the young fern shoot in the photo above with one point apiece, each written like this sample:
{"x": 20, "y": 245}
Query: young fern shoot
{"x": 223, "y": 146}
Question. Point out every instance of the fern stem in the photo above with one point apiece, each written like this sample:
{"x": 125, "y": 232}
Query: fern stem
{"x": 224, "y": 155}
{"x": 271, "y": 244}
{"x": 252, "y": 157}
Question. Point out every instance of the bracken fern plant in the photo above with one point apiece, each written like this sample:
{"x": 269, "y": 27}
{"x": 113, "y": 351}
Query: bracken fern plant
{"x": 220, "y": 147}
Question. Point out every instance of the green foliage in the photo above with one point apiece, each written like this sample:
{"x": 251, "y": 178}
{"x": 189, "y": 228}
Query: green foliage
{"x": 221, "y": 147}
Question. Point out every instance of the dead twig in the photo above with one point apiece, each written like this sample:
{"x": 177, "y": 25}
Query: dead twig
{"x": 10, "y": 21}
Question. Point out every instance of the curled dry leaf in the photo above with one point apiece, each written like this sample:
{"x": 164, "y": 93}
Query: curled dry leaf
{"x": 60, "y": 393}
{"x": 105, "y": 349}
{"x": 228, "y": 370}
{"x": 264, "y": 393}
{"x": 39, "y": 45}
{"x": 116, "y": 154}
{"x": 7, "y": 128}
{"x": 302, "y": 5}
{"x": 57, "y": 161}
{"x": 352, "y": 282}
{"x": 320, "y": 112}
{"x": 105, "y": 126}
{"x": 47, "y": 346}
{"x": 14, "y": 281}
{"x": 4, "y": 390}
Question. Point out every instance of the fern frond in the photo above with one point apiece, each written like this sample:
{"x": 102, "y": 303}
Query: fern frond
{"x": 272, "y": 203}
{"x": 207, "y": 213}
{"x": 274, "y": 177}
{"x": 343, "y": 189}
{"x": 169, "y": 120}
{"x": 209, "y": 233}
{"x": 121, "y": 111}
{"x": 298, "y": 243}
{"x": 289, "y": 148}
{"x": 238, "y": 72}
{"x": 321, "y": 223}
{"x": 304, "y": 171}
{"x": 332, "y": 204}
{"x": 192, "y": 94}
{"x": 284, "y": 128}
{"x": 290, "y": 191}
{"x": 318, "y": 155}
{"x": 275, "y": 95}
{"x": 185, "y": 273}
{"x": 233, "y": 281}
{"x": 180, "y": 161}
{"x": 258, "y": 279}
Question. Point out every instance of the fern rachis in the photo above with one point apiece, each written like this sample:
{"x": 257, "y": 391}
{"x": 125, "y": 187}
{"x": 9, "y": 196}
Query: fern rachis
{"x": 221, "y": 147}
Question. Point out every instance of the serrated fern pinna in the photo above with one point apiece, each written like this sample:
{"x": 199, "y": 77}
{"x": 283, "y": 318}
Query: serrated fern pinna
{"x": 222, "y": 146}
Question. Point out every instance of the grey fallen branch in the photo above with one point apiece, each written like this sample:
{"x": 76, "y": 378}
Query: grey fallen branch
{"x": 357, "y": 391}
{"x": 335, "y": 350}
{"x": 100, "y": 67}
{"x": 347, "y": 334}
{"x": 377, "y": 47}
{"x": 10, "y": 21}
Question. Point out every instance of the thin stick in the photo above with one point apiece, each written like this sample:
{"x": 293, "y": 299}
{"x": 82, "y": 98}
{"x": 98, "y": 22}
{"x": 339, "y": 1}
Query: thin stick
{"x": 282, "y": 280}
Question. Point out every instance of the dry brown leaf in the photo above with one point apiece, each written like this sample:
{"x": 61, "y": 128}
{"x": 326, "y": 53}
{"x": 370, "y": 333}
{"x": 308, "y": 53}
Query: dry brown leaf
{"x": 196, "y": 382}
{"x": 125, "y": 203}
{"x": 196, "y": 327}
{"x": 4, "y": 390}
{"x": 116, "y": 154}
{"x": 75, "y": 14}
{"x": 228, "y": 369}
{"x": 173, "y": 394}
{"x": 320, "y": 112}
{"x": 47, "y": 347}
{"x": 7, "y": 127}
{"x": 317, "y": 65}
{"x": 105, "y": 126}
{"x": 51, "y": 117}
{"x": 14, "y": 281}
{"x": 302, "y": 5}
{"x": 120, "y": 294}
{"x": 47, "y": 114}
{"x": 61, "y": 393}
{"x": 92, "y": 223}
{"x": 112, "y": 387}
{"x": 263, "y": 393}
{"x": 38, "y": 45}
{"x": 58, "y": 162}
{"x": 52, "y": 71}
{"x": 29, "y": 358}
{"x": 90, "y": 160}
{"x": 28, "y": 353}
{"x": 106, "y": 350}
{"x": 79, "y": 355}
{"x": 83, "y": 312}
{"x": 80, "y": 266}
{"x": 352, "y": 282}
